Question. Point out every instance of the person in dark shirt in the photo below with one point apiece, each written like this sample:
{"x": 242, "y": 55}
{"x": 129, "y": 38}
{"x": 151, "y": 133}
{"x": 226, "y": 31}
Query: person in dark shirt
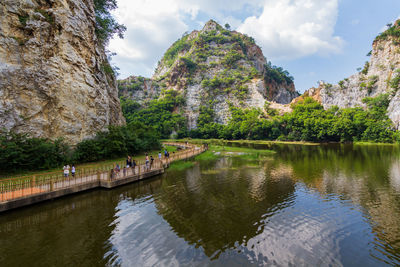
{"x": 151, "y": 161}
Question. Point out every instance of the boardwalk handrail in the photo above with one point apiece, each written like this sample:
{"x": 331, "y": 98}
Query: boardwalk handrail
{"x": 16, "y": 188}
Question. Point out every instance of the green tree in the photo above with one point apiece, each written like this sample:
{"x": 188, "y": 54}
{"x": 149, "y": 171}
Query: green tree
{"x": 106, "y": 25}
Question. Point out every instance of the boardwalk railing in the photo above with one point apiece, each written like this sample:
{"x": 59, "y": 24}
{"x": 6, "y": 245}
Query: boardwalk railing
{"x": 16, "y": 188}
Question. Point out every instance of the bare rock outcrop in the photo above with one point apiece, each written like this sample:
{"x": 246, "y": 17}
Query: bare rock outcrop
{"x": 55, "y": 79}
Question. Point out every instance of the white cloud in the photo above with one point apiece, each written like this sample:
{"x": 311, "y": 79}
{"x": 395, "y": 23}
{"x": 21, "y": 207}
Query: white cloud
{"x": 151, "y": 27}
{"x": 291, "y": 29}
{"x": 284, "y": 28}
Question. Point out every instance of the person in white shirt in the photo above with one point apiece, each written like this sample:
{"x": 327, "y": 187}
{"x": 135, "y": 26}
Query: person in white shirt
{"x": 66, "y": 170}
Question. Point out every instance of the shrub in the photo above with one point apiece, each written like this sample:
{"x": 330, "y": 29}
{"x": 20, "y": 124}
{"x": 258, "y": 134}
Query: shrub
{"x": 277, "y": 74}
{"x": 21, "y": 152}
{"x": 366, "y": 68}
{"x": 232, "y": 57}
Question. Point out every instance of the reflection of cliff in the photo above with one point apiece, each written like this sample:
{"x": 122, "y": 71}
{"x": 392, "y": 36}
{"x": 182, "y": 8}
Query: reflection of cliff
{"x": 220, "y": 208}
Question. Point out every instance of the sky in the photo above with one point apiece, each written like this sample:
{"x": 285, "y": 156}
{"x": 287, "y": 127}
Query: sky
{"x": 313, "y": 39}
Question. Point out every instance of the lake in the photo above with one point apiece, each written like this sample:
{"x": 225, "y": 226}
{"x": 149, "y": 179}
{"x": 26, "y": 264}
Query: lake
{"x": 317, "y": 205}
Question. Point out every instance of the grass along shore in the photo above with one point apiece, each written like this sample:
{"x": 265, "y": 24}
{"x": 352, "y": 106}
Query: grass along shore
{"x": 90, "y": 165}
{"x": 217, "y": 151}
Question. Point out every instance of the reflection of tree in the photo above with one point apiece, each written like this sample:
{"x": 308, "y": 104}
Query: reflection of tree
{"x": 366, "y": 175}
{"x": 309, "y": 162}
{"x": 224, "y": 207}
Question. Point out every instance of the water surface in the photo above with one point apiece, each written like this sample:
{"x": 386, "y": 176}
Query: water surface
{"x": 306, "y": 205}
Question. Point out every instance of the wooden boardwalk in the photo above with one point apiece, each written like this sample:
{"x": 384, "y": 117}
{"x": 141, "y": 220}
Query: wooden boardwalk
{"x": 19, "y": 192}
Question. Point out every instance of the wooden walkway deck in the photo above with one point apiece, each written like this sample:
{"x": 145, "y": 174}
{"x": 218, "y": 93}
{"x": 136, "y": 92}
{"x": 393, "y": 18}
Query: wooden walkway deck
{"x": 19, "y": 192}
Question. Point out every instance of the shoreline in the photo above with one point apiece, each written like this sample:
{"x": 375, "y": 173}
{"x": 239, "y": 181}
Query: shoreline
{"x": 261, "y": 142}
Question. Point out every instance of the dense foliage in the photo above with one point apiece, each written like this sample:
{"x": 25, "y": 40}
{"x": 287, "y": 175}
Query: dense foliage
{"x": 118, "y": 141}
{"x": 106, "y": 25}
{"x": 308, "y": 122}
{"x": 18, "y": 151}
{"x": 21, "y": 152}
{"x": 160, "y": 113}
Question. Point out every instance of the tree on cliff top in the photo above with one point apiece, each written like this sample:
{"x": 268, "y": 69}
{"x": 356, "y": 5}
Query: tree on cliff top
{"x": 106, "y": 25}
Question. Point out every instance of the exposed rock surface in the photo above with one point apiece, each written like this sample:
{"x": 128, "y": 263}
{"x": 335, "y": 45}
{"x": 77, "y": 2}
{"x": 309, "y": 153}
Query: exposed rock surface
{"x": 217, "y": 68}
{"x": 55, "y": 79}
{"x": 139, "y": 88}
{"x": 379, "y": 76}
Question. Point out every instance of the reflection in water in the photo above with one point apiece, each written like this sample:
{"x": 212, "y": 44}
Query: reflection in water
{"x": 307, "y": 205}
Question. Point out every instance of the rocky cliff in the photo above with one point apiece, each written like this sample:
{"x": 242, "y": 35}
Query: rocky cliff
{"x": 139, "y": 88}
{"x": 380, "y": 75}
{"x": 55, "y": 79}
{"x": 216, "y": 68}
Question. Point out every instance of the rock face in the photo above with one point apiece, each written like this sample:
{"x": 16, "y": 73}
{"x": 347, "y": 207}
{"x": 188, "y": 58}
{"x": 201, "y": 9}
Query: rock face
{"x": 216, "y": 68}
{"x": 55, "y": 79}
{"x": 379, "y": 76}
{"x": 139, "y": 88}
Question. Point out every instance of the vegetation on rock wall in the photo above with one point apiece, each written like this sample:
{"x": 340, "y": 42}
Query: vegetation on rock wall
{"x": 277, "y": 74}
{"x": 221, "y": 54}
{"x": 393, "y": 31}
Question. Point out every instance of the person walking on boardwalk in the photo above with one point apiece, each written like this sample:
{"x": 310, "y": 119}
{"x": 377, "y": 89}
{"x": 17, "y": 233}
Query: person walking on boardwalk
{"x": 124, "y": 171}
{"x": 159, "y": 155}
{"x": 111, "y": 174}
{"x": 147, "y": 162}
{"x": 133, "y": 165}
{"x": 117, "y": 169}
{"x": 73, "y": 171}
{"x": 128, "y": 164}
{"x": 66, "y": 170}
{"x": 151, "y": 161}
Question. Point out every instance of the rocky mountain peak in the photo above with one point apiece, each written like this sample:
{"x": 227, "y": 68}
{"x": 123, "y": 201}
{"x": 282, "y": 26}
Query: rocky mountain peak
{"x": 211, "y": 25}
{"x": 217, "y": 68}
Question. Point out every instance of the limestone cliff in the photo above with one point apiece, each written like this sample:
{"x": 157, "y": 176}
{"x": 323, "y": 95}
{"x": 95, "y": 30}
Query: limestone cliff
{"x": 380, "y": 75}
{"x": 216, "y": 68}
{"x": 55, "y": 79}
{"x": 139, "y": 88}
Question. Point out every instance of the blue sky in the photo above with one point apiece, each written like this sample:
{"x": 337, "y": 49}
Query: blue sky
{"x": 313, "y": 39}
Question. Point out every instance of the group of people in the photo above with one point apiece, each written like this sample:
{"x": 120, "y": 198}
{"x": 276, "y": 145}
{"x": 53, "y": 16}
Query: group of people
{"x": 66, "y": 169}
{"x": 130, "y": 164}
{"x": 149, "y": 162}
